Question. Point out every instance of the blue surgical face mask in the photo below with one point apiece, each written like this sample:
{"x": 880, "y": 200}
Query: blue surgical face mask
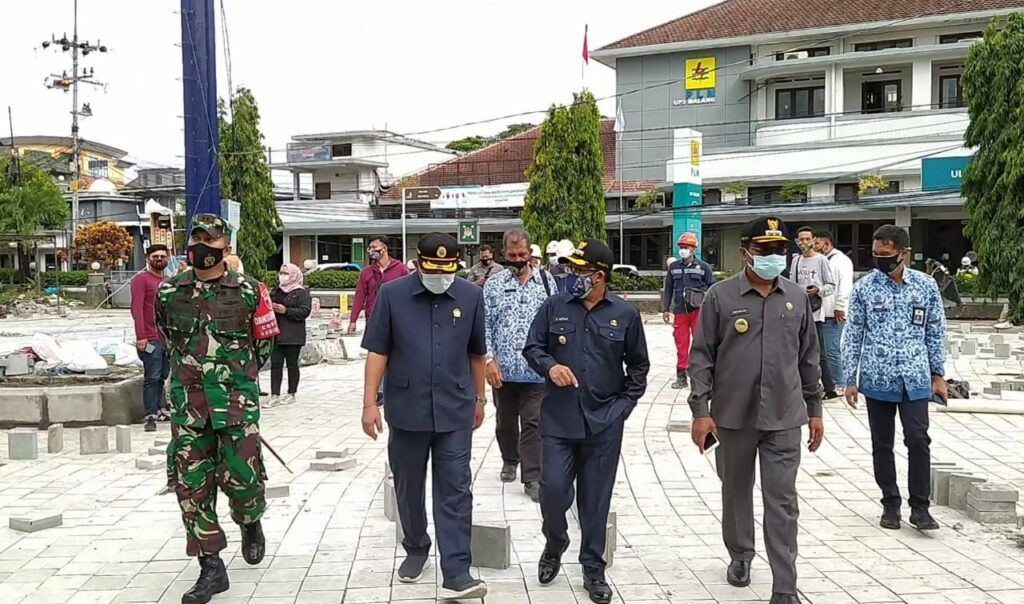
{"x": 583, "y": 285}
{"x": 768, "y": 267}
{"x": 437, "y": 284}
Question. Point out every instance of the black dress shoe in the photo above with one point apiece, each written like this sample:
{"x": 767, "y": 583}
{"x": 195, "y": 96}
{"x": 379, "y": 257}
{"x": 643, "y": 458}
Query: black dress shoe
{"x": 532, "y": 490}
{"x": 922, "y": 520}
{"x": 411, "y": 568}
{"x": 213, "y": 579}
{"x": 508, "y": 472}
{"x": 549, "y": 565}
{"x": 598, "y": 589}
{"x": 738, "y": 574}
{"x": 254, "y": 545}
{"x": 785, "y": 599}
{"x": 890, "y": 519}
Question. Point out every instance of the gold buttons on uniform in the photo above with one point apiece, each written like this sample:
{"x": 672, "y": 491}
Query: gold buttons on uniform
{"x": 613, "y": 323}
{"x": 741, "y": 326}
{"x": 789, "y": 306}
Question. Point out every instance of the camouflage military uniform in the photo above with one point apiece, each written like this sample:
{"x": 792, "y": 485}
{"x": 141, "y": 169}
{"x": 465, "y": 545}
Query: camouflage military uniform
{"x": 214, "y": 401}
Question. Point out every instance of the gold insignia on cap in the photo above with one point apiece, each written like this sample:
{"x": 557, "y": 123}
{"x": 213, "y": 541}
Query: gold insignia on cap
{"x": 741, "y": 326}
{"x": 789, "y": 306}
{"x": 613, "y": 323}
{"x": 562, "y": 340}
{"x": 457, "y": 313}
{"x": 441, "y": 251}
{"x": 773, "y": 224}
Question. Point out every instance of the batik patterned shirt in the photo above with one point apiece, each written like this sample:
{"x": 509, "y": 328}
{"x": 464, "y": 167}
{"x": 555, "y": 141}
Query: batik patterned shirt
{"x": 511, "y": 307}
{"x": 895, "y": 336}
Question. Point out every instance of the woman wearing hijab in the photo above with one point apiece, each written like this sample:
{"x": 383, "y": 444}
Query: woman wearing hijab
{"x": 292, "y": 304}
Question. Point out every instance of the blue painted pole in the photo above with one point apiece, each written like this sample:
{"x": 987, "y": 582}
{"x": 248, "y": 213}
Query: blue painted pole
{"x": 199, "y": 79}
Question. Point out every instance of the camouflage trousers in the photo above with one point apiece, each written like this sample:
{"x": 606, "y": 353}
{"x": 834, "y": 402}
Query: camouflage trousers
{"x": 200, "y": 459}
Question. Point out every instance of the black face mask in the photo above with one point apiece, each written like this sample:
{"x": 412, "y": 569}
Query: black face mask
{"x": 517, "y": 267}
{"x": 204, "y": 257}
{"x": 158, "y": 265}
{"x": 375, "y": 255}
{"x": 887, "y": 264}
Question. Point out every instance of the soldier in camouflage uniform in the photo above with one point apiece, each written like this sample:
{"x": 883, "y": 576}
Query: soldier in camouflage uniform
{"x": 205, "y": 318}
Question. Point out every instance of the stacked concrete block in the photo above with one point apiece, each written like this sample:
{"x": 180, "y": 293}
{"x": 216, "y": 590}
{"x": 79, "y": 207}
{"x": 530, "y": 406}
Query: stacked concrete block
{"x": 390, "y": 501}
{"x": 332, "y": 454}
{"x": 55, "y": 438}
{"x": 940, "y": 482}
{"x": 1002, "y": 351}
{"x": 333, "y": 465}
{"x": 491, "y": 546}
{"x": 93, "y": 440}
{"x": 123, "y": 439}
{"x": 23, "y": 443}
{"x": 959, "y": 485}
{"x": 36, "y": 521}
{"x": 969, "y": 347}
{"x": 158, "y": 450}
{"x": 992, "y": 503}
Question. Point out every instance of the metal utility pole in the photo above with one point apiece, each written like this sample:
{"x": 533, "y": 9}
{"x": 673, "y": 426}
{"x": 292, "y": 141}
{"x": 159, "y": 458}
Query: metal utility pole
{"x": 64, "y": 82}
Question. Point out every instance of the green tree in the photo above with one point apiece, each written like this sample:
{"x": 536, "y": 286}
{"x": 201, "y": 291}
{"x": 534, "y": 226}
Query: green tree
{"x": 29, "y": 201}
{"x": 993, "y": 83}
{"x": 468, "y": 144}
{"x": 565, "y": 199}
{"x": 245, "y": 178}
{"x": 514, "y": 130}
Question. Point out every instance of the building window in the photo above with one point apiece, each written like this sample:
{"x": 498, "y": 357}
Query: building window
{"x": 333, "y": 248}
{"x": 822, "y": 51}
{"x": 962, "y": 37}
{"x": 341, "y": 150}
{"x": 322, "y": 190}
{"x": 712, "y": 197}
{"x": 951, "y": 92}
{"x": 894, "y": 187}
{"x": 880, "y": 97}
{"x": 847, "y": 191}
{"x": 797, "y": 103}
{"x": 883, "y": 45}
{"x": 644, "y": 249}
{"x": 757, "y": 196}
{"x": 99, "y": 168}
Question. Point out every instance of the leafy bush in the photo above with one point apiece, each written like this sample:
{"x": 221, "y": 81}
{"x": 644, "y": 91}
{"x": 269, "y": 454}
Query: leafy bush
{"x": 65, "y": 278}
{"x": 331, "y": 279}
{"x": 621, "y": 283}
{"x": 9, "y": 276}
{"x": 270, "y": 279}
{"x": 968, "y": 285}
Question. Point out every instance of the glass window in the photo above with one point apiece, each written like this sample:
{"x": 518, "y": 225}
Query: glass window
{"x": 951, "y": 93}
{"x": 323, "y": 190}
{"x": 878, "y": 97}
{"x": 712, "y": 197}
{"x": 763, "y": 195}
{"x": 847, "y": 191}
{"x": 799, "y": 103}
{"x": 954, "y": 38}
{"x": 883, "y": 45}
{"x": 341, "y": 150}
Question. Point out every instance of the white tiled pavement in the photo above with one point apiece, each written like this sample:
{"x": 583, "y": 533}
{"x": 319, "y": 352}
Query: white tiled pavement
{"x": 329, "y": 541}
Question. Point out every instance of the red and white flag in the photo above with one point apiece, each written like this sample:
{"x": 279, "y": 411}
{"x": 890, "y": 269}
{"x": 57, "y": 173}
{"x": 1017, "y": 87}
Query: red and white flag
{"x": 586, "y": 52}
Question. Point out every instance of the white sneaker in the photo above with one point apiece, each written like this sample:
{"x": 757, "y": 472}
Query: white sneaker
{"x": 273, "y": 401}
{"x": 288, "y": 399}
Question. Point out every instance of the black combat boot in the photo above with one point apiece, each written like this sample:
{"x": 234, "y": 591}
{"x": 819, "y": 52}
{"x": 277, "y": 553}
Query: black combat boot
{"x": 681, "y": 381}
{"x": 254, "y": 545}
{"x": 213, "y": 579}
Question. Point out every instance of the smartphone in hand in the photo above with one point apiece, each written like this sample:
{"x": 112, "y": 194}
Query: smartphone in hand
{"x": 711, "y": 443}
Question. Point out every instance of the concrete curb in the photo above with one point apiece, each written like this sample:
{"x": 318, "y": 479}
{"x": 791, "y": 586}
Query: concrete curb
{"x": 118, "y": 403}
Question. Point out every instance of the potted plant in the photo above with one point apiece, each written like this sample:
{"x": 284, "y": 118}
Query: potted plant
{"x": 794, "y": 191}
{"x": 734, "y": 191}
{"x": 871, "y": 184}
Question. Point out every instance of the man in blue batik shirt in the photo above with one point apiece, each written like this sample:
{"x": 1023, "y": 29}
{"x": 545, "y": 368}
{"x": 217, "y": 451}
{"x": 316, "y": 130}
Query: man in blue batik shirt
{"x": 895, "y": 338}
{"x": 511, "y": 300}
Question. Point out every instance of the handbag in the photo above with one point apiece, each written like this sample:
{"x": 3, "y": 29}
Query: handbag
{"x": 693, "y": 297}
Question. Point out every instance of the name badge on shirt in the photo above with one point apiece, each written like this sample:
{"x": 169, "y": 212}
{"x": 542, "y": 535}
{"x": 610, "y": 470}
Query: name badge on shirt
{"x": 919, "y": 315}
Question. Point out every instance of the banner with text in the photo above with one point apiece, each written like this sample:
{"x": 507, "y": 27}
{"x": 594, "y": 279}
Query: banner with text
{"x": 474, "y": 198}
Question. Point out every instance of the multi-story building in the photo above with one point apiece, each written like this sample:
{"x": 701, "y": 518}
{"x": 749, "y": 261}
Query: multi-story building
{"x": 53, "y": 154}
{"x": 842, "y": 115}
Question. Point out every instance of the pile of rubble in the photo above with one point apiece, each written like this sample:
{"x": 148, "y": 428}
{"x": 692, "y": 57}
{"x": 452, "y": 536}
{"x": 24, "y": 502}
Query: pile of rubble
{"x": 28, "y": 306}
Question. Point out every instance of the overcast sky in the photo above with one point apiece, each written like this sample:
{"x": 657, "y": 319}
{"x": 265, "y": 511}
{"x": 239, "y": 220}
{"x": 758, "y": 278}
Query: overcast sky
{"x": 318, "y": 65}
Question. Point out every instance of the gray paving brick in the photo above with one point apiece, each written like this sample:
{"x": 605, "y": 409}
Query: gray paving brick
{"x": 23, "y": 443}
{"x": 123, "y": 439}
{"x": 36, "y": 521}
{"x": 342, "y": 453}
{"x": 92, "y": 440}
{"x": 993, "y": 491}
{"x": 390, "y": 501}
{"x": 990, "y": 506}
{"x": 55, "y": 438}
{"x": 992, "y": 517}
{"x": 959, "y": 484}
{"x": 940, "y": 483}
{"x": 333, "y": 465}
{"x": 148, "y": 463}
{"x": 277, "y": 491}
{"x": 491, "y": 545}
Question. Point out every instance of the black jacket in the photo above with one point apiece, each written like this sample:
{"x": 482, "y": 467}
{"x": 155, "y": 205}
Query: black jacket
{"x": 293, "y": 321}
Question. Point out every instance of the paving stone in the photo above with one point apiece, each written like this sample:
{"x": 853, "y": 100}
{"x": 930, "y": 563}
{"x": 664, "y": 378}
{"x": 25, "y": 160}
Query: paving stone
{"x": 277, "y": 491}
{"x": 990, "y": 506}
{"x": 148, "y": 463}
{"x": 678, "y": 425}
{"x": 993, "y": 392}
{"x": 158, "y": 450}
{"x": 491, "y": 546}
{"x": 611, "y": 539}
{"x": 123, "y": 439}
{"x": 37, "y": 521}
{"x": 994, "y": 491}
{"x": 1002, "y": 351}
{"x": 23, "y": 443}
{"x": 55, "y": 438}
{"x": 940, "y": 483}
{"x": 332, "y": 454}
{"x": 161, "y": 443}
{"x": 959, "y": 484}
{"x": 93, "y": 440}
{"x": 992, "y": 517}
{"x": 390, "y": 501}
{"x": 387, "y": 469}
{"x": 968, "y": 347}
{"x": 334, "y": 465}
{"x": 996, "y": 339}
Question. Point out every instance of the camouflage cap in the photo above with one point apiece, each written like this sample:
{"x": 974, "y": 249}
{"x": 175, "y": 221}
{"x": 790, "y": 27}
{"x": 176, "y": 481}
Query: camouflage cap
{"x": 213, "y": 224}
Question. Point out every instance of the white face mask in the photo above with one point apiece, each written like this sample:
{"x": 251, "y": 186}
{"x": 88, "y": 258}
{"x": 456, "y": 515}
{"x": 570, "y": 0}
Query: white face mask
{"x": 553, "y": 260}
{"x": 437, "y": 284}
{"x": 685, "y": 252}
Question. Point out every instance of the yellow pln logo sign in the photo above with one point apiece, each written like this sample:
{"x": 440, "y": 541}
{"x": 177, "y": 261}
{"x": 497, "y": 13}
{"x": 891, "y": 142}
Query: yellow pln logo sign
{"x": 700, "y": 73}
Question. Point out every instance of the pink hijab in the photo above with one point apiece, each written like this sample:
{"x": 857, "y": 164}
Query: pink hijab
{"x": 290, "y": 277}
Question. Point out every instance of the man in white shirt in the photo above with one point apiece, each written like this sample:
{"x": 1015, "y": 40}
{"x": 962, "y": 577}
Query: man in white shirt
{"x": 834, "y": 307}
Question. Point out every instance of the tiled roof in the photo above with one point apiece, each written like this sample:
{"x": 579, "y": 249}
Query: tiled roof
{"x": 506, "y": 162}
{"x": 739, "y": 18}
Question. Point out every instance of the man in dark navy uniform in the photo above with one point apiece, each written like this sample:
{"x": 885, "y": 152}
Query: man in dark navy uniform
{"x": 427, "y": 332}
{"x": 580, "y": 341}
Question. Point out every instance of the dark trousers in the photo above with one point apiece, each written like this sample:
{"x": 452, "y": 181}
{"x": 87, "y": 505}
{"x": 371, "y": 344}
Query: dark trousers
{"x": 778, "y": 452}
{"x": 882, "y": 421}
{"x": 591, "y": 463}
{"x": 453, "y": 500}
{"x": 285, "y": 353}
{"x": 826, "y": 376}
{"x": 518, "y": 405}
{"x": 156, "y": 366}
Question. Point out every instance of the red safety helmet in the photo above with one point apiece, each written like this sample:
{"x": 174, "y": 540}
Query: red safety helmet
{"x": 687, "y": 240}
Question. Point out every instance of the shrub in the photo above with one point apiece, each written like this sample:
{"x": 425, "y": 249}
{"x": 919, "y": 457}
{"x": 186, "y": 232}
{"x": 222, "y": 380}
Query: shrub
{"x": 65, "y": 278}
{"x": 622, "y": 283}
{"x": 967, "y": 285}
{"x": 331, "y": 279}
{"x": 270, "y": 279}
{"x": 9, "y": 276}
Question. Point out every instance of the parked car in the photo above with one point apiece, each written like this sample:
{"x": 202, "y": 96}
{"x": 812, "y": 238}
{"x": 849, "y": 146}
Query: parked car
{"x": 337, "y": 266}
{"x": 626, "y": 270}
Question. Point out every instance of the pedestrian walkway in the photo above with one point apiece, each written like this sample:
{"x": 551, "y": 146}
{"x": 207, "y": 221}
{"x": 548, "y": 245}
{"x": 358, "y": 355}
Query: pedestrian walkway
{"x": 329, "y": 541}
